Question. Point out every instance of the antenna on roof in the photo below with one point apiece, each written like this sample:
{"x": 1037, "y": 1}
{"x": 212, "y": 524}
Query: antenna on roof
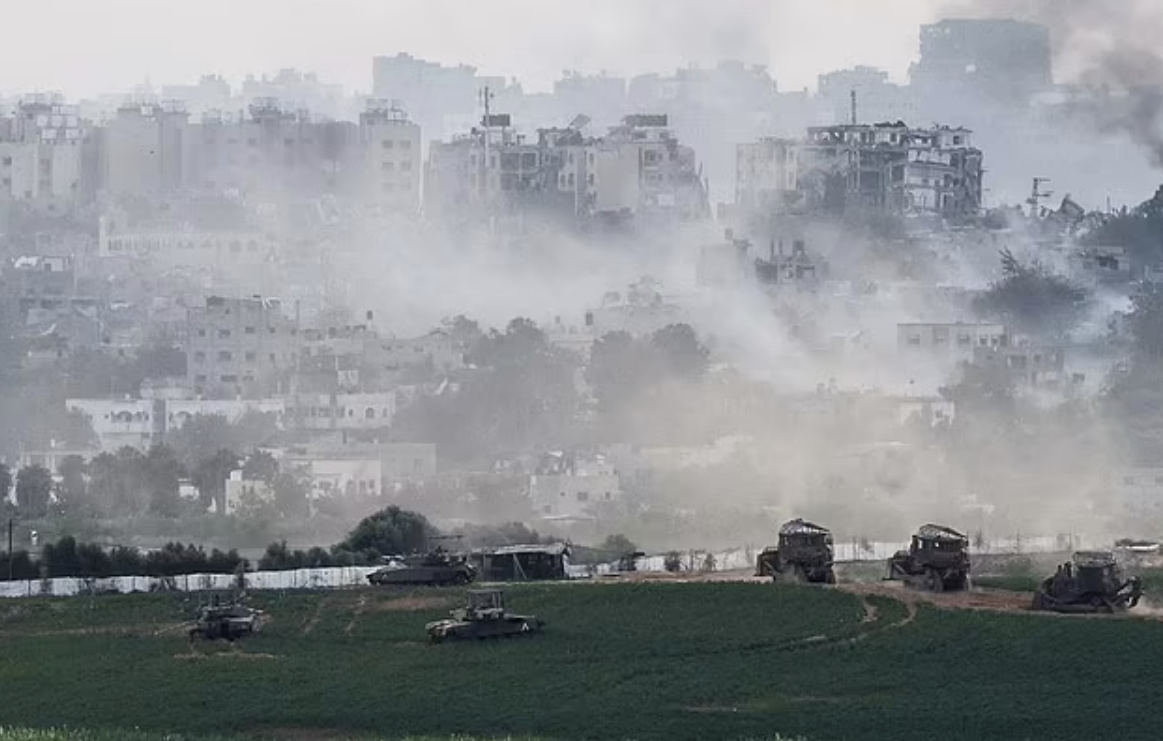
{"x": 853, "y": 106}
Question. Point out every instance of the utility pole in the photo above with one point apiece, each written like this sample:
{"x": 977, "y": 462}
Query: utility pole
{"x": 486, "y": 98}
{"x": 9, "y": 549}
{"x": 853, "y": 106}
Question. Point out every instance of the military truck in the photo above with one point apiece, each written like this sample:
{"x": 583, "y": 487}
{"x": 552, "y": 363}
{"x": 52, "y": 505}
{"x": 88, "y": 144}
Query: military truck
{"x": 437, "y": 567}
{"x": 937, "y": 560}
{"x": 1091, "y": 581}
{"x": 484, "y": 617}
{"x": 804, "y": 554}
{"x": 228, "y": 621}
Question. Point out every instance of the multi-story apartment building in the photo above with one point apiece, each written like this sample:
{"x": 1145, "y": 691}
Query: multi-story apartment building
{"x": 886, "y": 167}
{"x": 240, "y": 347}
{"x": 47, "y": 155}
{"x": 267, "y": 153}
{"x": 639, "y": 169}
{"x": 391, "y": 158}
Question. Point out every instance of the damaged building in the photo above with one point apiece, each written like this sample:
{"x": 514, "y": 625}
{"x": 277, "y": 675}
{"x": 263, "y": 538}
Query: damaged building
{"x": 884, "y": 167}
{"x": 639, "y": 170}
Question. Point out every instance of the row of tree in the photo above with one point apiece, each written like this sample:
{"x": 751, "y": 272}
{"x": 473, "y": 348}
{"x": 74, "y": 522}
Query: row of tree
{"x": 68, "y": 558}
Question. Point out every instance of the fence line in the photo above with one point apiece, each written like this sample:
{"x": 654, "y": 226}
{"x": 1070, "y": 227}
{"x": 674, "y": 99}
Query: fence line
{"x": 341, "y": 577}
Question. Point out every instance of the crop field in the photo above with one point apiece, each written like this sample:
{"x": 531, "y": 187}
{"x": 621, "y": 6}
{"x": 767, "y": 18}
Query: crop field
{"x": 617, "y": 661}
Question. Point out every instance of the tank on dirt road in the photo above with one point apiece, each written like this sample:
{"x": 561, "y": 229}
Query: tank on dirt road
{"x": 227, "y": 621}
{"x": 937, "y": 560}
{"x": 436, "y": 568}
{"x": 484, "y": 617}
{"x": 1091, "y": 582}
{"x": 804, "y": 554}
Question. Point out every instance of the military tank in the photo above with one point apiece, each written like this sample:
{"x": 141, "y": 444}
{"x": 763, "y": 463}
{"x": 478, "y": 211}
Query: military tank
{"x": 437, "y": 567}
{"x": 483, "y": 618}
{"x": 804, "y": 554}
{"x": 1091, "y": 582}
{"x": 937, "y": 560}
{"x": 225, "y": 621}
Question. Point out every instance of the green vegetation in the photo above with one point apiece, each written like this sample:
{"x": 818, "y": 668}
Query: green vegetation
{"x": 617, "y": 661}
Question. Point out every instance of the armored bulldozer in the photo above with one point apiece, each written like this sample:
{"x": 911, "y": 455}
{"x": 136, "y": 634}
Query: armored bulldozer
{"x": 1091, "y": 581}
{"x": 484, "y": 617}
{"x": 437, "y": 567}
{"x": 804, "y": 554}
{"x": 937, "y": 560}
{"x": 225, "y": 621}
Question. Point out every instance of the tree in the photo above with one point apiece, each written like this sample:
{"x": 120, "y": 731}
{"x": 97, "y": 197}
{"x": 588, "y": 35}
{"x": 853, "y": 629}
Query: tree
{"x": 292, "y": 493}
{"x": 5, "y": 481}
{"x": 210, "y": 475}
{"x": 72, "y": 488}
{"x": 260, "y": 466}
{"x": 1032, "y": 299}
{"x": 618, "y": 544}
{"x": 388, "y": 532}
{"x": 162, "y": 473}
{"x": 33, "y": 490}
{"x": 680, "y": 353}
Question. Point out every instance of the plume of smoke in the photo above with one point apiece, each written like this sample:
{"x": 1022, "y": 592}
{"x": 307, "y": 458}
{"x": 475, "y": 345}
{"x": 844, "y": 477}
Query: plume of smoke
{"x": 1108, "y": 52}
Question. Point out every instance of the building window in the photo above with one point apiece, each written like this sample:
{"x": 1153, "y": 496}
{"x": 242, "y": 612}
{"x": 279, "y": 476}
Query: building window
{"x": 369, "y": 413}
{"x": 223, "y": 334}
{"x": 914, "y": 340}
{"x": 252, "y": 142}
{"x": 250, "y": 357}
{"x": 272, "y": 357}
{"x": 590, "y": 178}
{"x": 201, "y": 333}
{"x": 250, "y": 330}
{"x": 389, "y": 144}
{"x": 199, "y": 356}
{"x": 406, "y": 166}
{"x": 8, "y": 162}
{"x": 224, "y": 355}
{"x": 200, "y": 378}
{"x": 229, "y": 379}
{"x": 583, "y": 496}
{"x": 405, "y": 144}
{"x": 388, "y": 166}
{"x": 1129, "y": 480}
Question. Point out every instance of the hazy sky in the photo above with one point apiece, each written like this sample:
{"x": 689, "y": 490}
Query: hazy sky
{"x": 82, "y": 47}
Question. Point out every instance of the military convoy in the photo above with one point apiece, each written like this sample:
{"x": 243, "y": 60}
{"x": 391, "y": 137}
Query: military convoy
{"x": 804, "y": 554}
{"x": 437, "y": 567}
{"x": 1090, "y": 582}
{"x": 483, "y": 618}
{"x": 228, "y": 622}
{"x": 937, "y": 560}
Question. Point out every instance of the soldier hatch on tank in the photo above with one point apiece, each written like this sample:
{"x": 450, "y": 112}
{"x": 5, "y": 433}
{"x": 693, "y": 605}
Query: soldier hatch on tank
{"x": 1091, "y": 582}
{"x": 937, "y": 560}
{"x": 484, "y": 617}
{"x": 804, "y": 554}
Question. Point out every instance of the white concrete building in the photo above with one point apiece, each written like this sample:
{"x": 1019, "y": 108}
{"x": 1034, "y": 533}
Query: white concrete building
{"x": 367, "y": 411}
{"x": 569, "y": 486}
{"x": 118, "y": 423}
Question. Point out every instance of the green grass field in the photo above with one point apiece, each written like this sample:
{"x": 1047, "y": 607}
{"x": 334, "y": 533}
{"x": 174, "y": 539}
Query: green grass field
{"x": 617, "y": 661}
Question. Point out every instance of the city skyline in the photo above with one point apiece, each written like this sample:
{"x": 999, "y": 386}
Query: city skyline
{"x": 796, "y": 43}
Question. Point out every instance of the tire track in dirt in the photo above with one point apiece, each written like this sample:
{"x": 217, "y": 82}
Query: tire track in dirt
{"x": 360, "y": 606}
{"x": 310, "y": 623}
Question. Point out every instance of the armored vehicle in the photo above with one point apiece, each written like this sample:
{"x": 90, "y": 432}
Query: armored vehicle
{"x": 937, "y": 560}
{"x": 228, "y": 621}
{"x": 804, "y": 554}
{"x": 484, "y": 617}
{"x": 1091, "y": 582}
{"x": 436, "y": 567}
